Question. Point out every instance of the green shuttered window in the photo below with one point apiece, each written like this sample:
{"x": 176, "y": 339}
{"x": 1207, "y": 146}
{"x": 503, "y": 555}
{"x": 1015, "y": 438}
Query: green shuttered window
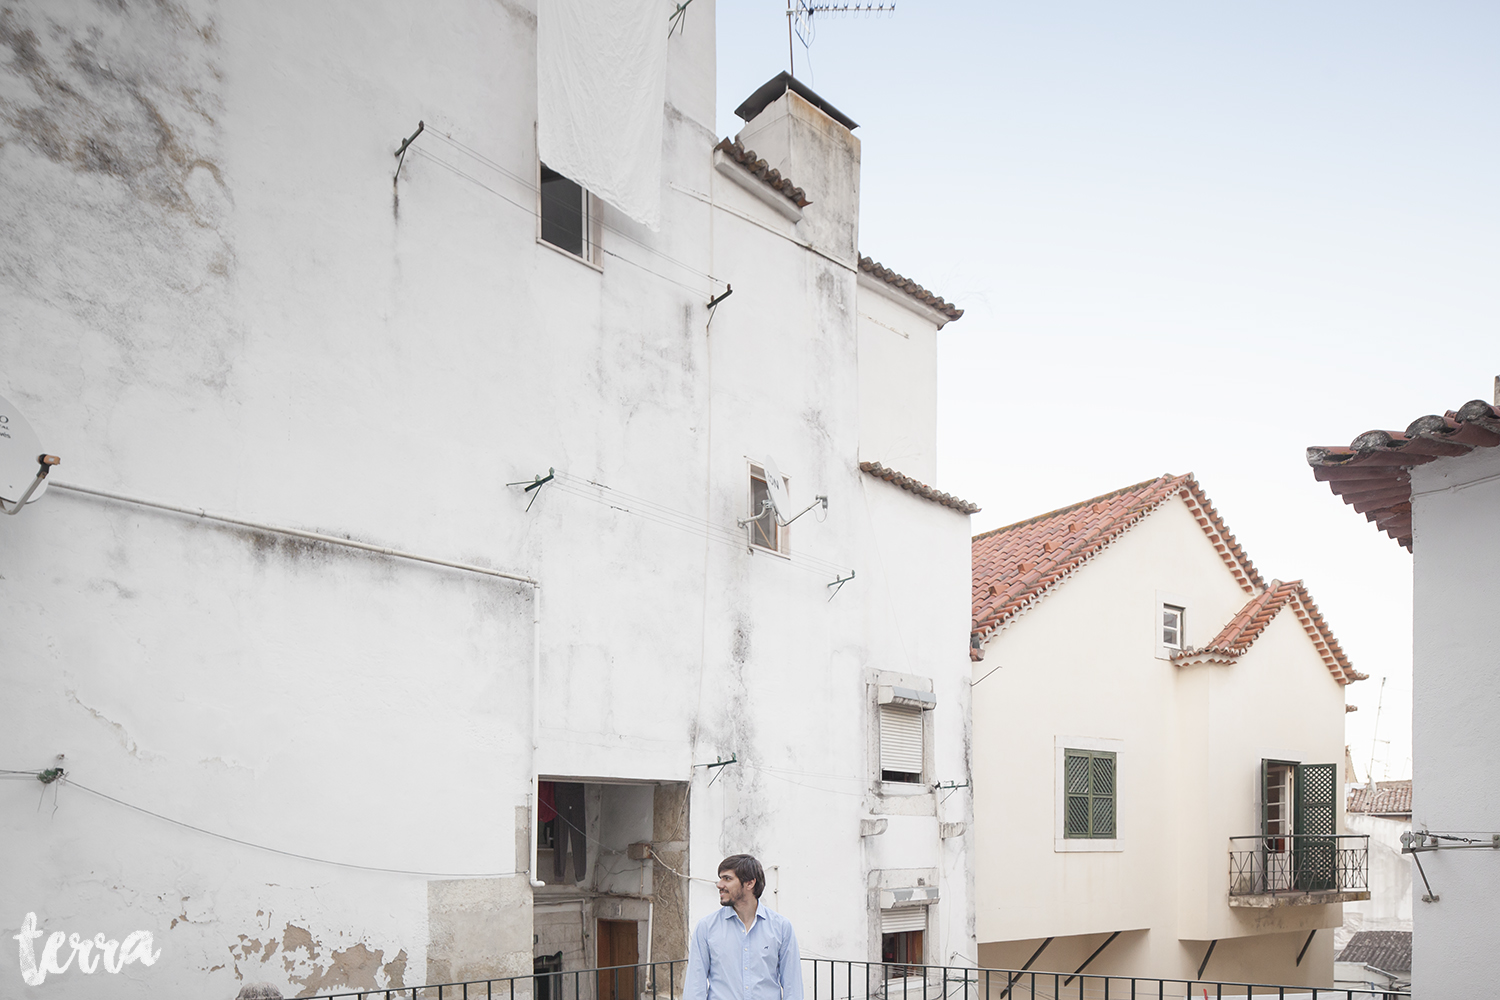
{"x": 1089, "y": 784}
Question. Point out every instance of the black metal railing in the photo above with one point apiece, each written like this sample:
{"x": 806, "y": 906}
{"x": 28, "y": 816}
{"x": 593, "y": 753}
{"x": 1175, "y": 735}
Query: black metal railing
{"x": 825, "y": 979}
{"x": 1300, "y": 863}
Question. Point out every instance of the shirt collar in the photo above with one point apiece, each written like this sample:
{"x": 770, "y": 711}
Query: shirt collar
{"x": 760, "y": 913}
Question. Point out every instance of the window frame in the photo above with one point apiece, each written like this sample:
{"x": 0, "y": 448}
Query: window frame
{"x": 1167, "y": 599}
{"x": 1096, "y": 746}
{"x": 783, "y": 532}
{"x": 920, "y": 780}
{"x": 592, "y": 226}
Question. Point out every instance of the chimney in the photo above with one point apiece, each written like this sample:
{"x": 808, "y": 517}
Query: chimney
{"x": 812, "y": 143}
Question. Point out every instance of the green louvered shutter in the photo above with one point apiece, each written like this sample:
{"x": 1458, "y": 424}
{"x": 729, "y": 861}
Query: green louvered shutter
{"x": 1316, "y": 818}
{"x": 1089, "y": 794}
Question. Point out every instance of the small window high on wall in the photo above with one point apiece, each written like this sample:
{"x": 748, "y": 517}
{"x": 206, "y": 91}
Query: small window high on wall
{"x": 566, "y": 216}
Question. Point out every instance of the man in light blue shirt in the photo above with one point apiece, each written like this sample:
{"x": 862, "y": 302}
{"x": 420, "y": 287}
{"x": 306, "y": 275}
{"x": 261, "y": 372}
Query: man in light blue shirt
{"x": 745, "y": 950}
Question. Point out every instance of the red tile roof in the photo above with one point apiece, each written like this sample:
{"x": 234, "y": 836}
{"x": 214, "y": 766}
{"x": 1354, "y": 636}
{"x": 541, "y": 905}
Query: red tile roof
{"x": 1387, "y": 798}
{"x": 920, "y": 489}
{"x": 1017, "y": 565}
{"x": 1373, "y": 474}
{"x": 877, "y": 270}
{"x": 746, "y": 158}
{"x": 1245, "y": 627}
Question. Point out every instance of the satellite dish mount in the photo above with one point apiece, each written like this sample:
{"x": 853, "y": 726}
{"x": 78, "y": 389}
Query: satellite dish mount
{"x": 20, "y": 454}
{"x": 778, "y": 503}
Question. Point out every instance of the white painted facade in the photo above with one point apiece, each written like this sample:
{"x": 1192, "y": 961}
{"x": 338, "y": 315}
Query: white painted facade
{"x": 1083, "y": 668}
{"x": 213, "y": 298}
{"x": 1455, "y": 708}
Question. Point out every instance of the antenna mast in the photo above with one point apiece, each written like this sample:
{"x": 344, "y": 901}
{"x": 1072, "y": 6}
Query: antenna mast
{"x": 1375, "y": 737}
{"x": 799, "y": 13}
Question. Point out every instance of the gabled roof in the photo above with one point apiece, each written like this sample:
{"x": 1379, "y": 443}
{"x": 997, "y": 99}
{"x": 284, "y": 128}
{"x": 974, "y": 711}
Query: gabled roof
{"x": 1235, "y": 639}
{"x": 1388, "y": 951}
{"x": 1019, "y": 564}
{"x": 1373, "y": 474}
{"x": 746, "y": 158}
{"x": 920, "y": 489}
{"x": 1387, "y": 798}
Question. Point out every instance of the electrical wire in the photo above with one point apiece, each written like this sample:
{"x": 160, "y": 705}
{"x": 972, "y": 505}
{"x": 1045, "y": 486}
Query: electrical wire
{"x": 531, "y": 210}
{"x": 531, "y": 188}
{"x": 261, "y": 847}
{"x": 674, "y": 871}
{"x": 650, "y": 510}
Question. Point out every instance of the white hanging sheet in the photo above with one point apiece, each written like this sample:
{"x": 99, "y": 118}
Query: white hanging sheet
{"x": 601, "y": 86}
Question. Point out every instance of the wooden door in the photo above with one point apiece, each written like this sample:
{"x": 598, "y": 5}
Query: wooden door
{"x": 618, "y": 946}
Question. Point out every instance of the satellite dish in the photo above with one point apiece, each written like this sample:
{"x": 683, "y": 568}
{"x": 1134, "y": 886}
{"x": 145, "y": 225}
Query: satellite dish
{"x": 20, "y": 456}
{"x": 781, "y": 502}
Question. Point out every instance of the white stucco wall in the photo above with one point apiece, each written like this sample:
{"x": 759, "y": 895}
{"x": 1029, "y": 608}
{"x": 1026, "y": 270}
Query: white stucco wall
{"x": 212, "y": 298}
{"x": 1081, "y": 665}
{"x": 1391, "y": 874}
{"x": 1456, "y": 692}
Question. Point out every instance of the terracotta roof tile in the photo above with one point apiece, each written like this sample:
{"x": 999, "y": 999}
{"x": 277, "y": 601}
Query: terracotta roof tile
{"x": 1373, "y": 474}
{"x": 920, "y": 489}
{"x": 1387, "y": 798}
{"x": 877, "y": 270}
{"x": 746, "y": 158}
{"x": 1246, "y": 626}
{"x": 1014, "y": 567}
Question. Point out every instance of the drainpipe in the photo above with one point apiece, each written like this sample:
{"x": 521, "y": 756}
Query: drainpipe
{"x": 536, "y": 725}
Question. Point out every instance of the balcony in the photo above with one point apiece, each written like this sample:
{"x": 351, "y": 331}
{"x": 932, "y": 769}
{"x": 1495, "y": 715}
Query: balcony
{"x": 1299, "y": 870}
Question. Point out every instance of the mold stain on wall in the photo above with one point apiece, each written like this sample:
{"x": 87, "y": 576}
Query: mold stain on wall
{"x": 113, "y": 199}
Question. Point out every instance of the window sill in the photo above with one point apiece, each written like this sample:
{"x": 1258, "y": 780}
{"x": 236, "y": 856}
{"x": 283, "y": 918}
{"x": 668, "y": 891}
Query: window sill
{"x": 757, "y": 549}
{"x": 903, "y": 788}
{"x": 570, "y": 255}
{"x": 1086, "y": 845}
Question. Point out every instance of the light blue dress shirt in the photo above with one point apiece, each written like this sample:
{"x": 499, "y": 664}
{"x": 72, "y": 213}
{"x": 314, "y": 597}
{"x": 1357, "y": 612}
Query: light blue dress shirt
{"x": 727, "y": 962}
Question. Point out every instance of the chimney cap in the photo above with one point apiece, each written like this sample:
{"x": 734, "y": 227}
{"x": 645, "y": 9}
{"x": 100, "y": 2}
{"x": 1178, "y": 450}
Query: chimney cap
{"x": 780, "y": 84}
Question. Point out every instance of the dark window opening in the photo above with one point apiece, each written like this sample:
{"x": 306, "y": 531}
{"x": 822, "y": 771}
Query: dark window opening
{"x": 898, "y": 950}
{"x": 909, "y": 777}
{"x": 548, "y": 972}
{"x": 564, "y": 213}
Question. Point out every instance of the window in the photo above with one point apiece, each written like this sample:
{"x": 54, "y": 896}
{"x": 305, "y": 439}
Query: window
{"x": 565, "y": 216}
{"x": 901, "y": 933}
{"x": 1298, "y": 826}
{"x": 1171, "y": 626}
{"x": 765, "y": 531}
{"x": 901, "y": 743}
{"x": 1089, "y": 781}
{"x": 548, "y": 972}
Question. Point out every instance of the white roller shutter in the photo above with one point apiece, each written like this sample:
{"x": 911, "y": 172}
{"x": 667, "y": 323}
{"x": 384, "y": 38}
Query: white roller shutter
{"x": 901, "y": 739}
{"x": 909, "y": 918}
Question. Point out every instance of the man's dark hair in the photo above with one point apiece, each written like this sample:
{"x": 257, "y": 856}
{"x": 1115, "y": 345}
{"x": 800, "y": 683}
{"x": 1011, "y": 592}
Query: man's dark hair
{"x": 745, "y": 868}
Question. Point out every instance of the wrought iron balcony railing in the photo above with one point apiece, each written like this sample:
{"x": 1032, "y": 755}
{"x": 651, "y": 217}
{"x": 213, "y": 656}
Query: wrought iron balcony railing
{"x": 1304, "y": 864}
{"x": 824, "y": 979}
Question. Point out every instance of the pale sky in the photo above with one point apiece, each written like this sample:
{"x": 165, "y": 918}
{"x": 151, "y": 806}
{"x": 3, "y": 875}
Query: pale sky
{"x": 1188, "y": 237}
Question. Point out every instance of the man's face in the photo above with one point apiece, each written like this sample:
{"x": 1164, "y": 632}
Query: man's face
{"x": 732, "y": 891}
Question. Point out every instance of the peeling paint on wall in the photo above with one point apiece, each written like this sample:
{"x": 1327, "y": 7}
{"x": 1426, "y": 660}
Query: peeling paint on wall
{"x": 314, "y": 967}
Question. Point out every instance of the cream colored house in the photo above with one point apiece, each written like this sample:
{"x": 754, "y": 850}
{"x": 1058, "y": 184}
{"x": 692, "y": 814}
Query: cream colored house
{"x": 1158, "y": 733}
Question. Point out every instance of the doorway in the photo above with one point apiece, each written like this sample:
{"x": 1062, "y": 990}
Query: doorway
{"x": 619, "y": 946}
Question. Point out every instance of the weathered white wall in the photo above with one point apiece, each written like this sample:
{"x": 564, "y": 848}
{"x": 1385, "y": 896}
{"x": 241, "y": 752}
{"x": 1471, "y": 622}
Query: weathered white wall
{"x": 212, "y": 297}
{"x": 1082, "y": 663}
{"x": 1391, "y": 875}
{"x": 1456, "y": 691}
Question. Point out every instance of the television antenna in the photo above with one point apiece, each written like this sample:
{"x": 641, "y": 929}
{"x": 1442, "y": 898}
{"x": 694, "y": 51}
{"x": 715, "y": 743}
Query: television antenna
{"x": 778, "y": 502}
{"x": 800, "y": 14}
{"x": 23, "y": 466}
